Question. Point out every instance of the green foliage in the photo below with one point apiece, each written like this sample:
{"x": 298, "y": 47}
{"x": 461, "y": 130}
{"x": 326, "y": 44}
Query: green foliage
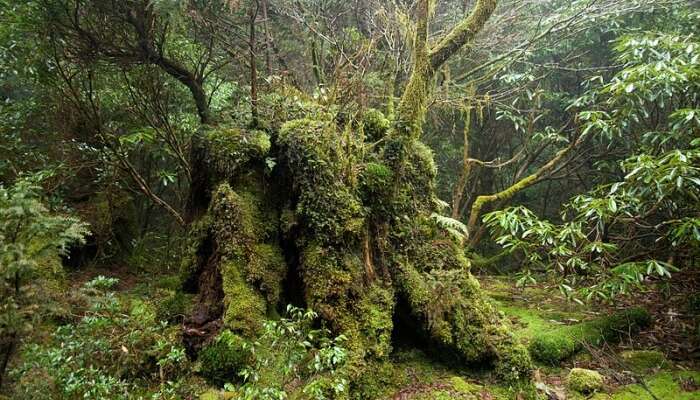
{"x": 31, "y": 239}
{"x": 457, "y": 230}
{"x": 291, "y": 350}
{"x": 653, "y": 204}
{"x": 114, "y": 350}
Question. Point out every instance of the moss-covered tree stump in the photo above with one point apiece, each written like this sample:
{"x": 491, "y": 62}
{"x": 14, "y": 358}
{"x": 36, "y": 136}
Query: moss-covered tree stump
{"x": 341, "y": 227}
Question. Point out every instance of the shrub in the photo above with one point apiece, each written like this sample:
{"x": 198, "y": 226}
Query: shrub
{"x": 113, "y": 347}
{"x": 31, "y": 239}
{"x": 292, "y": 359}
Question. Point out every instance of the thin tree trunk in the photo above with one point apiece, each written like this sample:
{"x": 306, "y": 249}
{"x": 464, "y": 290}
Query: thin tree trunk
{"x": 268, "y": 38}
{"x": 253, "y": 66}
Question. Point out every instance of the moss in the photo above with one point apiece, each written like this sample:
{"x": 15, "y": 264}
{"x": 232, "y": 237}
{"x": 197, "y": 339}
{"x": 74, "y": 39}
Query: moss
{"x": 664, "y": 385}
{"x": 252, "y": 267}
{"x": 554, "y": 347}
{"x": 375, "y": 177}
{"x": 561, "y": 343}
{"x": 327, "y": 204}
{"x": 375, "y": 124}
{"x": 462, "y": 386}
{"x": 230, "y": 148}
{"x": 266, "y": 269}
{"x": 245, "y": 308}
{"x": 335, "y": 286}
{"x": 172, "y": 306}
{"x": 465, "y": 321}
{"x": 223, "y": 358}
{"x": 641, "y": 361}
{"x": 514, "y": 363}
{"x": 380, "y": 381}
{"x": 198, "y": 233}
{"x": 584, "y": 380}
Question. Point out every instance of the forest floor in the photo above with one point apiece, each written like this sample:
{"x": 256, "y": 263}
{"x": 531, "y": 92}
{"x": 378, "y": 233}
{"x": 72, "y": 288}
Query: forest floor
{"x": 660, "y": 362}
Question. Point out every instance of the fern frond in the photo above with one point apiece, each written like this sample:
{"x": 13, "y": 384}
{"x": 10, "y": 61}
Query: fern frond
{"x": 455, "y": 228}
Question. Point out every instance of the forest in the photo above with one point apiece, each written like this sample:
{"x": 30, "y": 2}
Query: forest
{"x": 350, "y": 200}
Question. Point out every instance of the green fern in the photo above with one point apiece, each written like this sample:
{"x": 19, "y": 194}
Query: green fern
{"x": 455, "y": 228}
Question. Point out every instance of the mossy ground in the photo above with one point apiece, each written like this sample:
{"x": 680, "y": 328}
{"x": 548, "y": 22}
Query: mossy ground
{"x": 411, "y": 374}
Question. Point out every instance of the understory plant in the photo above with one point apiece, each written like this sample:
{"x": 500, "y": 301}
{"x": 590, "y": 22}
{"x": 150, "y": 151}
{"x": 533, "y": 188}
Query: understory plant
{"x": 115, "y": 349}
{"x": 644, "y": 226}
{"x": 31, "y": 240}
{"x": 294, "y": 358}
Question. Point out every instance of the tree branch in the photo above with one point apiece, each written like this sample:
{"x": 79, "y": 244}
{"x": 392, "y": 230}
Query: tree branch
{"x": 462, "y": 34}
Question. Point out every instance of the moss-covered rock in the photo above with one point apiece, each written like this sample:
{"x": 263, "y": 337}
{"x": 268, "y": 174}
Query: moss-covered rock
{"x": 559, "y": 344}
{"x": 584, "y": 380}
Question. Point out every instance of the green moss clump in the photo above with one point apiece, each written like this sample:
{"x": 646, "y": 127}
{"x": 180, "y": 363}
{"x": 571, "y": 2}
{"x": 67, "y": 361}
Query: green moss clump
{"x": 375, "y": 177}
{"x": 327, "y": 205}
{"x": 375, "y": 124}
{"x": 223, "y": 358}
{"x": 230, "y": 148}
{"x": 559, "y": 344}
{"x": 584, "y": 380}
{"x": 552, "y": 348}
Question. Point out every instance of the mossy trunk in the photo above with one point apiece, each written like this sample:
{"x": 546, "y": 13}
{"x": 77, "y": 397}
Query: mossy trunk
{"x": 346, "y": 230}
